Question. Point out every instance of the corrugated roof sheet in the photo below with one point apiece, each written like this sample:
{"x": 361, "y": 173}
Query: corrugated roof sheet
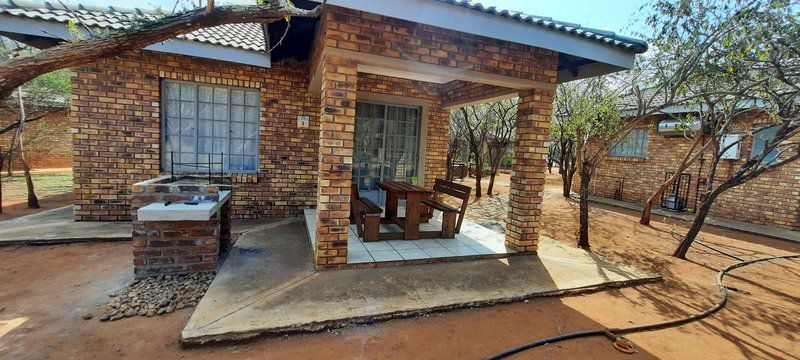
{"x": 242, "y": 36}
{"x": 251, "y": 37}
{"x": 603, "y": 36}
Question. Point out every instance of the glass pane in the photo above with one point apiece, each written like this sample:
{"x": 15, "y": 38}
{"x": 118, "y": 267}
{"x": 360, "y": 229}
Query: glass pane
{"x": 251, "y": 114}
{"x": 220, "y": 112}
{"x": 237, "y": 130}
{"x": 251, "y": 98}
{"x": 187, "y": 160}
{"x": 221, "y": 95}
{"x": 187, "y": 109}
{"x": 220, "y": 128}
{"x": 220, "y": 146}
{"x": 187, "y": 92}
{"x": 187, "y": 144}
{"x": 205, "y": 145}
{"x": 205, "y": 111}
{"x": 249, "y": 163}
{"x": 251, "y": 131}
{"x": 250, "y": 147}
{"x": 173, "y": 108}
{"x": 237, "y": 113}
{"x": 173, "y": 144}
{"x": 173, "y": 91}
{"x": 187, "y": 127}
{"x": 205, "y": 93}
{"x": 237, "y": 97}
{"x": 173, "y": 126}
{"x": 205, "y": 128}
{"x": 237, "y": 146}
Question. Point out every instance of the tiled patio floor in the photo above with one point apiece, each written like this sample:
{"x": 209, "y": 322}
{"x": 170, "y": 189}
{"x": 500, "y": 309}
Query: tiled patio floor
{"x": 473, "y": 242}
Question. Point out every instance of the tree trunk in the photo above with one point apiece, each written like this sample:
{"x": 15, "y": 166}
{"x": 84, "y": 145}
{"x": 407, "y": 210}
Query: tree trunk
{"x": 697, "y": 224}
{"x": 478, "y": 176}
{"x": 490, "y": 189}
{"x": 583, "y": 227}
{"x": 683, "y": 165}
{"x": 566, "y": 182}
{"x": 2, "y": 158}
{"x": 33, "y": 201}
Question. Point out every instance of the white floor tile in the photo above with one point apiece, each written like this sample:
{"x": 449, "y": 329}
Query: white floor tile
{"x": 378, "y": 246}
{"x": 427, "y": 244}
{"x": 484, "y": 250}
{"x": 449, "y": 242}
{"x": 385, "y": 255}
{"x": 413, "y": 254}
{"x": 438, "y": 252}
{"x": 403, "y": 245}
{"x": 355, "y": 246}
{"x": 462, "y": 250}
{"x": 358, "y": 257}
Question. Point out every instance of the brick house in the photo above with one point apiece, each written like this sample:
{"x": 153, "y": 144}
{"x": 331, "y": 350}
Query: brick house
{"x": 635, "y": 168}
{"x": 359, "y": 94}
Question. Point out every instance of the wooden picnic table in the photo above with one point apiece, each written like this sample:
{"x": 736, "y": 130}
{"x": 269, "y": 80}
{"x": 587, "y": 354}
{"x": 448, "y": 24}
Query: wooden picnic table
{"x": 396, "y": 190}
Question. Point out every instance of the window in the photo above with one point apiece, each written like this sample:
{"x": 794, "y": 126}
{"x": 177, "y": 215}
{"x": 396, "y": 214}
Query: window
{"x": 634, "y": 144}
{"x": 209, "y": 125}
{"x": 761, "y": 134}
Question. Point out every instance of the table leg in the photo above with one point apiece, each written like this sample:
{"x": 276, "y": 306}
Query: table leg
{"x": 391, "y": 204}
{"x": 413, "y": 201}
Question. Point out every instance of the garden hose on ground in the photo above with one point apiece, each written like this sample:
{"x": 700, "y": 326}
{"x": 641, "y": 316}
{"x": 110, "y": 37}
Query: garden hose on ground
{"x": 622, "y": 344}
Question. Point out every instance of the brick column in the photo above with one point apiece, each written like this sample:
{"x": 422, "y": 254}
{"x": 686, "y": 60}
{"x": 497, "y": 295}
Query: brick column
{"x": 528, "y": 169}
{"x": 337, "y": 125}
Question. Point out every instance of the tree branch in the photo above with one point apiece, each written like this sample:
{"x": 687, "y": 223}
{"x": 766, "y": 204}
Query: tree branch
{"x": 17, "y": 71}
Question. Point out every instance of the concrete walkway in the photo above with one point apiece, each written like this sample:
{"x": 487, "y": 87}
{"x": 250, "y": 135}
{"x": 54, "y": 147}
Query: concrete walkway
{"x": 57, "y": 226}
{"x": 268, "y": 285}
{"x": 742, "y": 226}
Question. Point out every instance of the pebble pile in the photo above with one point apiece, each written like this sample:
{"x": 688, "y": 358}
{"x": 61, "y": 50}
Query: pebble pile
{"x": 157, "y": 295}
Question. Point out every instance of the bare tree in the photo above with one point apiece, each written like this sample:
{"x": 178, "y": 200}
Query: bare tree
{"x": 33, "y": 201}
{"x": 502, "y": 126}
{"x": 474, "y": 124}
{"x": 730, "y": 58}
{"x": 455, "y": 148}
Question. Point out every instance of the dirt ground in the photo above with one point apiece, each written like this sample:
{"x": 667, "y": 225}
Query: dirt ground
{"x": 46, "y": 290}
{"x": 53, "y": 188}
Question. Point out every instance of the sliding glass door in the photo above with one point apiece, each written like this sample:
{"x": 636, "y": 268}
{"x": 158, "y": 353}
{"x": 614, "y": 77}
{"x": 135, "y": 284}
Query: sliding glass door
{"x": 386, "y": 146}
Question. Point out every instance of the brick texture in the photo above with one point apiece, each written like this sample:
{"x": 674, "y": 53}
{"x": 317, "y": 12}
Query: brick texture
{"x": 47, "y": 140}
{"x": 529, "y": 164}
{"x": 772, "y": 199}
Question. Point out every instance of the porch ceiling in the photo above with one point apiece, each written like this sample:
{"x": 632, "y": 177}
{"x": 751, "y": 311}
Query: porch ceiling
{"x": 408, "y": 69}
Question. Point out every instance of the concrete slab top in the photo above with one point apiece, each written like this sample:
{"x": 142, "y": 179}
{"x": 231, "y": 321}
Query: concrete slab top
{"x": 268, "y": 285}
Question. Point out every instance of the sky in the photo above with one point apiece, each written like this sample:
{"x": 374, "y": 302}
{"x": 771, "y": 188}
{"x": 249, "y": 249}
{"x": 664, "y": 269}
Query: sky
{"x": 614, "y": 15}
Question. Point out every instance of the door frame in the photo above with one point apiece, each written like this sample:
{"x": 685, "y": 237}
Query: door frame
{"x": 423, "y": 104}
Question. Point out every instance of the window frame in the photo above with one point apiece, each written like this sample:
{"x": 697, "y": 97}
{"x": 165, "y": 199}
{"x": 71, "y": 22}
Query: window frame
{"x": 632, "y": 153}
{"x": 226, "y": 163}
{"x": 772, "y": 157}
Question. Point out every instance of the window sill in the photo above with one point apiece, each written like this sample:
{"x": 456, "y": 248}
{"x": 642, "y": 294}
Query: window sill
{"x": 627, "y": 158}
{"x": 236, "y": 178}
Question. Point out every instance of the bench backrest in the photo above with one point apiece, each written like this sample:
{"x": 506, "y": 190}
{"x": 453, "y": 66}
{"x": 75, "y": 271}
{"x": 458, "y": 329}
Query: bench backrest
{"x": 458, "y": 191}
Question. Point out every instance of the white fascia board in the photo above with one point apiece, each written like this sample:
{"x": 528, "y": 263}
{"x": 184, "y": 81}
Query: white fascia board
{"x": 470, "y": 21}
{"x": 215, "y": 52}
{"x": 56, "y": 30}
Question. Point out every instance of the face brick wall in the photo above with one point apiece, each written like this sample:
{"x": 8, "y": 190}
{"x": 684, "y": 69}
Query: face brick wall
{"x": 772, "y": 199}
{"x": 115, "y": 113}
{"x": 381, "y": 35}
{"x": 48, "y": 142}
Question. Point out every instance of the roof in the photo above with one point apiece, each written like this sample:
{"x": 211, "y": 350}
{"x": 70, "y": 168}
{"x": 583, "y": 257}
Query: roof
{"x": 248, "y": 36}
{"x": 603, "y": 36}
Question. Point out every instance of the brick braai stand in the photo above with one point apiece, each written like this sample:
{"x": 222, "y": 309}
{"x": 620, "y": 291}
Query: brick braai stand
{"x": 177, "y": 238}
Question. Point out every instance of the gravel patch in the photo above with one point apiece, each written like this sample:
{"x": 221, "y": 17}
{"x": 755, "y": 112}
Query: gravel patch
{"x": 157, "y": 296}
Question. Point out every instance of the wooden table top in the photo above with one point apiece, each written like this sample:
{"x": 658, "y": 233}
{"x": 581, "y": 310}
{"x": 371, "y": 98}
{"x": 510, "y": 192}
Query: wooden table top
{"x": 401, "y": 186}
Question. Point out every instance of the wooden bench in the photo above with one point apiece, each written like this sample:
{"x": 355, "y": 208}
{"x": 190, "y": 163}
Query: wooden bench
{"x": 443, "y": 187}
{"x": 366, "y": 214}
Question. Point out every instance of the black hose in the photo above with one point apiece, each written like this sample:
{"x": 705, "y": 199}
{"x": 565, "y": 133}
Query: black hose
{"x": 610, "y": 333}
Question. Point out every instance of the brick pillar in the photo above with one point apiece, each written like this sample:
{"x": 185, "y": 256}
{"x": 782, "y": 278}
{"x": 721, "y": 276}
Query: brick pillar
{"x": 337, "y": 125}
{"x": 528, "y": 169}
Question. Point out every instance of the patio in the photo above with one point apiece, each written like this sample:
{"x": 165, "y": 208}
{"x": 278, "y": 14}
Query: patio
{"x": 473, "y": 242}
{"x": 268, "y": 285}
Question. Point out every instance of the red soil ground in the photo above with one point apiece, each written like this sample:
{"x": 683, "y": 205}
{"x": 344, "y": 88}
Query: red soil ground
{"x": 46, "y": 290}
